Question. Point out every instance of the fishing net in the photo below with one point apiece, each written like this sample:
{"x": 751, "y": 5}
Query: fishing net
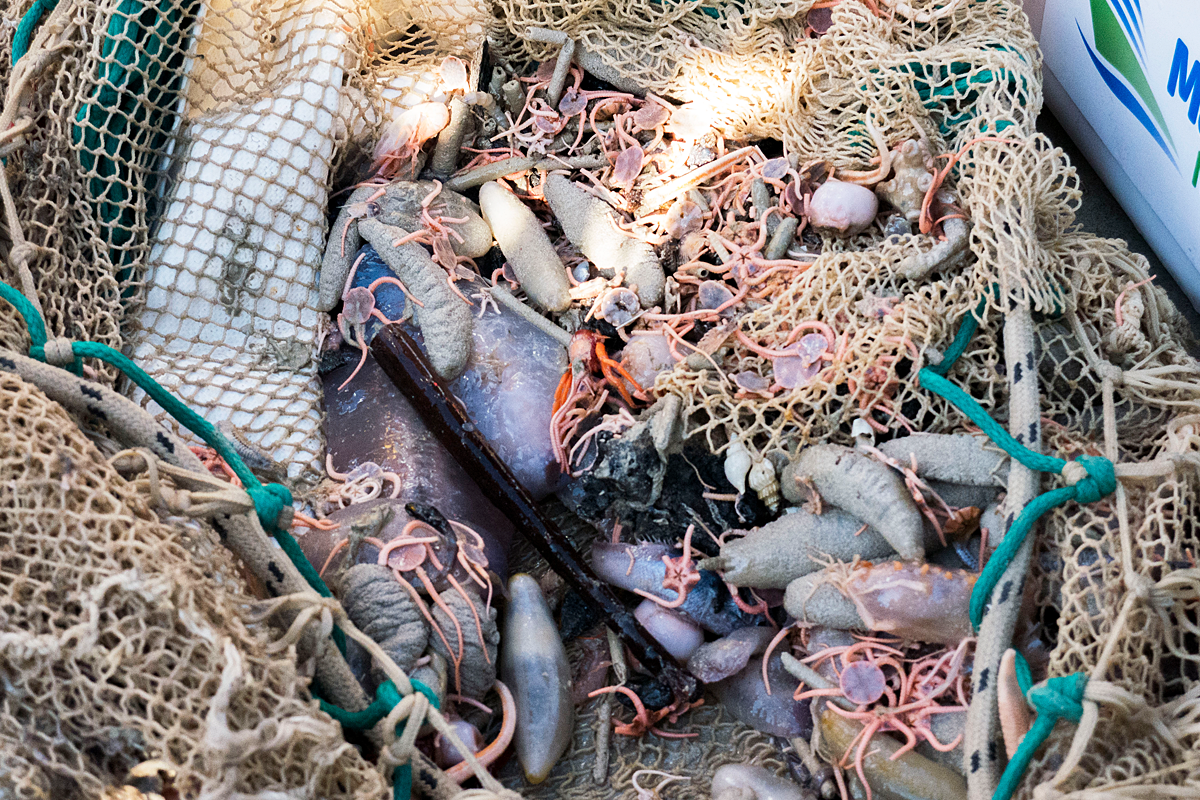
{"x": 168, "y": 169}
{"x": 1116, "y": 377}
{"x": 223, "y": 127}
{"x": 761, "y": 70}
{"x": 1125, "y": 600}
{"x": 720, "y": 740}
{"x": 122, "y": 639}
{"x": 867, "y": 79}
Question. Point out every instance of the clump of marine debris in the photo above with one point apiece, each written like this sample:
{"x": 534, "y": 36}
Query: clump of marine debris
{"x": 528, "y": 282}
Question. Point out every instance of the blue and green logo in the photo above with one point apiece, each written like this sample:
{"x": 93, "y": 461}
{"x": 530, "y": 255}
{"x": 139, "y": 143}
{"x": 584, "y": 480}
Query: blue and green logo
{"x": 1120, "y": 58}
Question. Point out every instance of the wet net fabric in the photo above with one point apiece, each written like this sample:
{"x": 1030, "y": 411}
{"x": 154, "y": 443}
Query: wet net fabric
{"x": 78, "y": 253}
{"x": 122, "y": 639}
{"x": 172, "y": 182}
{"x": 174, "y": 206}
{"x": 229, "y": 321}
{"x": 1136, "y": 625}
{"x": 721, "y": 740}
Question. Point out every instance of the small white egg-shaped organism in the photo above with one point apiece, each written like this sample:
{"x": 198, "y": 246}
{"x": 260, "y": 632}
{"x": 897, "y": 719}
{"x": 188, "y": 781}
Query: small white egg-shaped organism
{"x": 678, "y": 636}
{"x": 841, "y": 208}
{"x": 749, "y": 782}
{"x": 737, "y": 465}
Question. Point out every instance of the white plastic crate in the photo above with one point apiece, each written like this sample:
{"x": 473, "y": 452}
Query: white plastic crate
{"x": 1123, "y": 77}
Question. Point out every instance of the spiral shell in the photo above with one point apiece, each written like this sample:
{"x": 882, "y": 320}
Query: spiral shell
{"x": 763, "y": 481}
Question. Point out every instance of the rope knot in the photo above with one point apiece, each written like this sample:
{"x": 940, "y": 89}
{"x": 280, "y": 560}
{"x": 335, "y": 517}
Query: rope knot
{"x": 59, "y": 352}
{"x": 1073, "y": 472}
{"x": 1061, "y": 697}
{"x": 273, "y": 503}
{"x": 1110, "y": 371}
{"x": 1092, "y": 477}
{"x": 22, "y": 253}
{"x": 1142, "y": 587}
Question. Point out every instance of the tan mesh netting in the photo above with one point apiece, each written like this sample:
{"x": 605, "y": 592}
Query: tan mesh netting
{"x": 211, "y": 289}
{"x": 222, "y": 290}
{"x": 228, "y": 320}
{"x": 1124, "y": 594}
{"x": 121, "y": 639}
{"x": 720, "y": 741}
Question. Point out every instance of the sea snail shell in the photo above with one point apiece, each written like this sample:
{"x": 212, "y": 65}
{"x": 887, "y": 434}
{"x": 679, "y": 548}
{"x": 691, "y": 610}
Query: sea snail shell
{"x": 763, "y": 481}
{"x": 737, "y": 464}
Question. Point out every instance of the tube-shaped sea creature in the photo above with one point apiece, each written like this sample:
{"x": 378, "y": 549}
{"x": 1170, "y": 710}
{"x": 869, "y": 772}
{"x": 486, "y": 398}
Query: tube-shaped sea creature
{"x": 527, "y": 247}
{"x": 533, "y": 663}
{"x": 868, "y": 489}
{"x": 589, "y": 223}
{"x": 796, "y": 544}
{"x": 907, "y": 598}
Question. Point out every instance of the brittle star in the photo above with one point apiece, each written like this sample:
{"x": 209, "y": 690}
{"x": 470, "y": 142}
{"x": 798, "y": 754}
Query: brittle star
{"x": 681, "y": 575}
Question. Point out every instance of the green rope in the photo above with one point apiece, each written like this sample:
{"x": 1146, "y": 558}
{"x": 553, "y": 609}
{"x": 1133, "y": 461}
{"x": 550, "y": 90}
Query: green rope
{"x": 23, "y": 36}
{"x": 386, "y": 698}
{"x": 1060, "y": 697}
{"x": 33, "y": 320}
{"x": 1057, "y": 698}
{"x": 1024, "y": 673}
{"x": 122, "y": 127}
{"x": 966, "y": 332}
{"x": 1101, "y": 479}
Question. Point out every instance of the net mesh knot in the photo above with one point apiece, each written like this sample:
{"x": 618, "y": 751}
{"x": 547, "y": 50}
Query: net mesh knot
{"x": 1142, "y": 587}
{"x": 1060, "y": 698}
{"x": 22, "y": 253}
{"x": 1106, "y": 370}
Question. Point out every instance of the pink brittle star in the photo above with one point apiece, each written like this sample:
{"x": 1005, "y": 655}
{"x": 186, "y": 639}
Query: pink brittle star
{"x": 216, "y": 465}
{"x": 437, "y": 234}
{"x": 408, "y": 553}
{"x": 798, "y": 363}
{"x": 644, "y": 720}
{"x": 364, "y": 482}
{"x": 681, "y": 575}
{"x": 910, "y": 698}
{"x": 366, "y": 208}
{"x": 472, "y": 555}
{"x": 918, "y": 489}
{"x": 358, "y": 307}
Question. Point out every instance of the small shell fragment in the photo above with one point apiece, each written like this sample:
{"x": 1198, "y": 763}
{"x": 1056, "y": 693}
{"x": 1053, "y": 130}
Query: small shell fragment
{"x": 617, "y": 307}
{"x": 763, "y": 481}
